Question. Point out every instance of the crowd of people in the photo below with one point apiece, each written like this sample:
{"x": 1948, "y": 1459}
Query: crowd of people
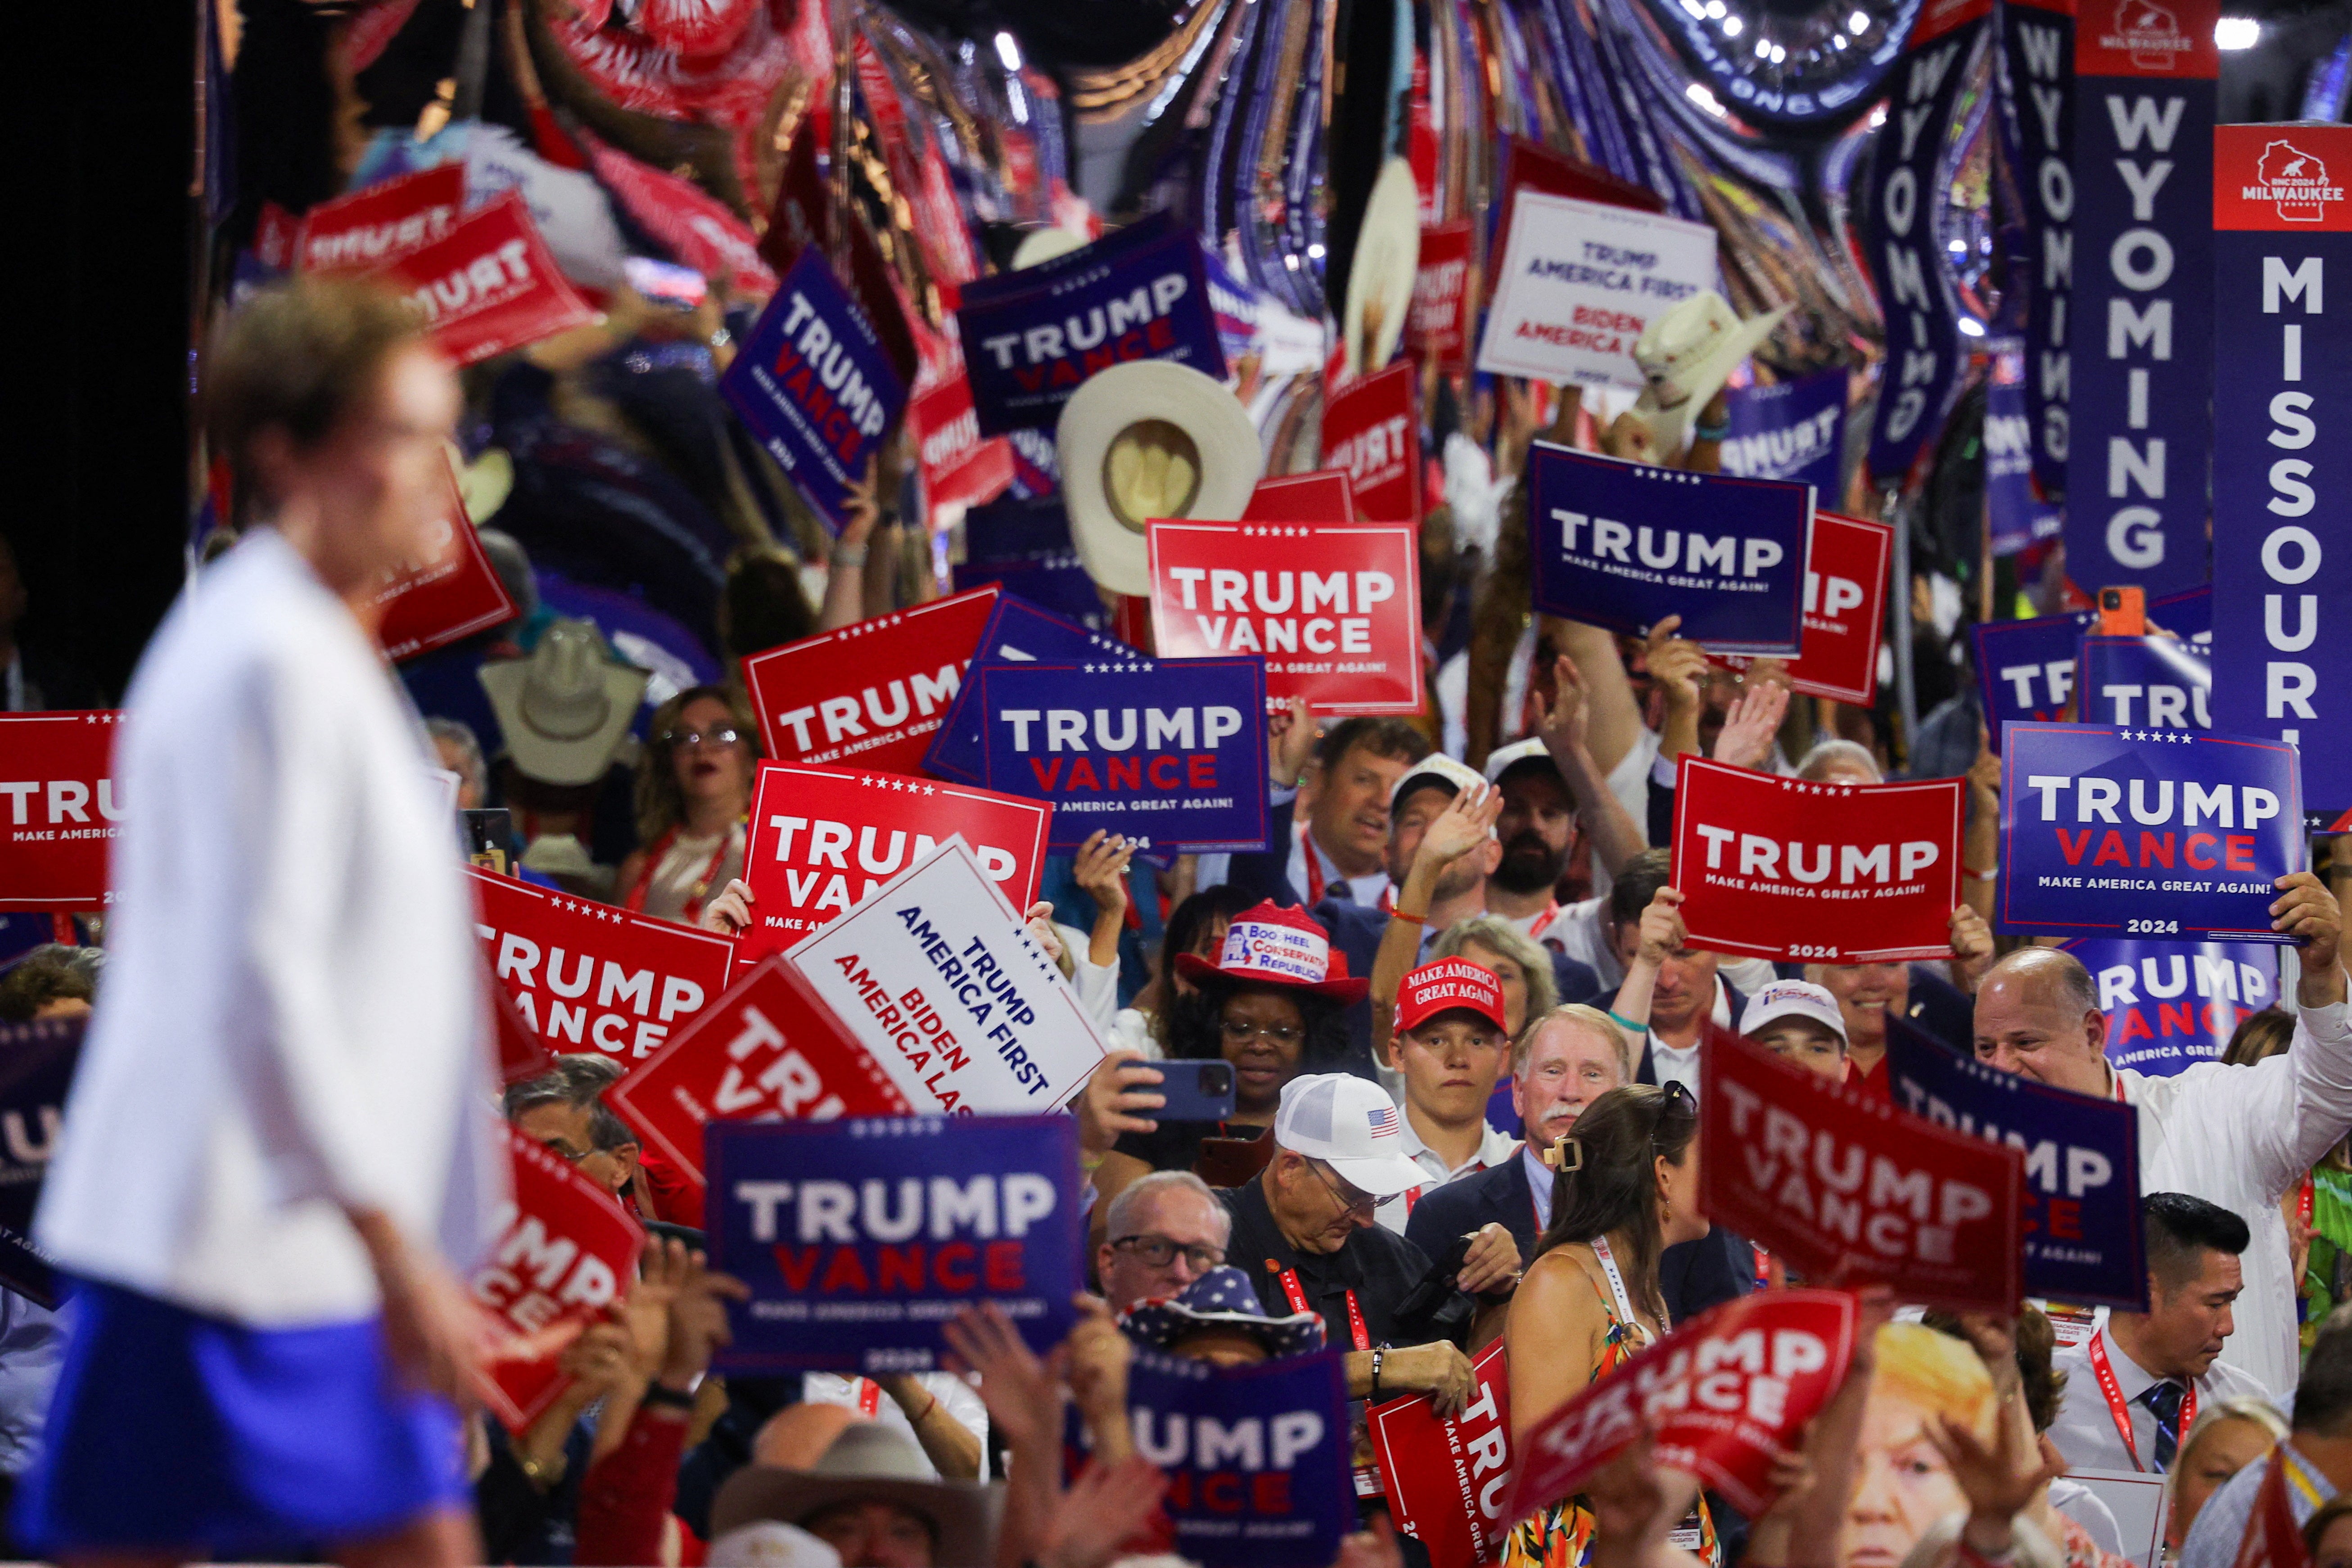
{"x": 1464, "y": 1100}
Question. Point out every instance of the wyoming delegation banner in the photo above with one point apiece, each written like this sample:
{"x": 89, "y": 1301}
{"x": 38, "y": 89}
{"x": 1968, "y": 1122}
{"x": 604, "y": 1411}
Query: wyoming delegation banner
{"x": 2142, "y": 437}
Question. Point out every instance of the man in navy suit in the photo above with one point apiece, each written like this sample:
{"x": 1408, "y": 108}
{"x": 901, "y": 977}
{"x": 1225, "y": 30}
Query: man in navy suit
{"x": 1341, "y": 853}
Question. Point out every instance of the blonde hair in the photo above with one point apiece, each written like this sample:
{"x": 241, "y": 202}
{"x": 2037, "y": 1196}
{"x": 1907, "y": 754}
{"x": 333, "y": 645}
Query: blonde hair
{"x": 1502, "y": 938}
{"x": 1584, "y": 1017}
{"x": 2237, "y": 1407}
{"x": 1935, "y": 1371}
{"x": 660, "y": 804}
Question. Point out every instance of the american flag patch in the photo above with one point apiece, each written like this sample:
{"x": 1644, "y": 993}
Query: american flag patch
{"x": 1383, "y": 1121}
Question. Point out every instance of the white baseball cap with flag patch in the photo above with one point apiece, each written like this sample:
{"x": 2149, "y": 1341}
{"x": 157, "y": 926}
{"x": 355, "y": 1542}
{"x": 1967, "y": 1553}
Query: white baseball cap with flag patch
{"x": 1350, "y": 1124}
{"x": 1792, "y": 999}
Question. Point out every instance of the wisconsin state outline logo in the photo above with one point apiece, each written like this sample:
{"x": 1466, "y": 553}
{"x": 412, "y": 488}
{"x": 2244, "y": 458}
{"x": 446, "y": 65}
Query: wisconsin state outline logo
{"x": 2293, "y": 181}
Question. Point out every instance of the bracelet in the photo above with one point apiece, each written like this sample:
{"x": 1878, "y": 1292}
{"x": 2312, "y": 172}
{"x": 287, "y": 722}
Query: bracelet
{"x": 1709, "y": 432}
{"x": 1376, "y": 1355}
{"x": 847, "y": 555}
{"x": 1421, "y": 920}
{"x": 1991, "y": 876}
{"x": 661, "y": 1396}
{"x": 925, "y": 1414}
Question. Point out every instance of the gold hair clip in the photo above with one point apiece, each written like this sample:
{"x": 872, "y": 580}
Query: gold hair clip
{"x": 1566, "y": 1153}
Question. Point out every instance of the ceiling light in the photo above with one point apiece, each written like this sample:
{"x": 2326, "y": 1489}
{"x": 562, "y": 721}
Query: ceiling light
{"x": 2237, "y": 33}
{"x": 1731, "y": 26}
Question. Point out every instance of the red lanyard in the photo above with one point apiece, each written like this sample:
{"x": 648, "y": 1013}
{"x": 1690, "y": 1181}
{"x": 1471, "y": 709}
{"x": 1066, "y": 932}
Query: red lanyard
{"x": 2121, "y": 1411}
{"x": 2302, "y": 1201}
{"x": 636, "y": 901}
{"x": 1293, "y": 1293}
{"x": 1543, "y": 921}
{"x": 1317, "y": 881}
{"x": 870, "y": 1397}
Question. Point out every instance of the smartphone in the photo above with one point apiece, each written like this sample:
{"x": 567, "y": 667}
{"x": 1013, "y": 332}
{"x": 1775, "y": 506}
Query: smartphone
{"x": 677, "y": 288}
{"x": 2123, "y": 613}
{"x": 488, "y": 834}
{"x": 1196, "y": 1092}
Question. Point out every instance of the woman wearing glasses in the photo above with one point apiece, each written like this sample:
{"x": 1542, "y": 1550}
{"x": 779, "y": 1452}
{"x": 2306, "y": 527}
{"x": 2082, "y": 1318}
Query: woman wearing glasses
{"x": 1627, "y": 1189}
{"x": 693, "y": 797}
{"x": 1270, "y": 1004}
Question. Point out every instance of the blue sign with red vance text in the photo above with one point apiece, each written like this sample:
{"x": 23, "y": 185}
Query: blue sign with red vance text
{"x": 1623, "y": 545}
{"x": 2193, "y": 830}
{"x": 1032, "y": 338}
{"x": 1256, "y": 1457}
{"x": 815, "y": 385}
{"x": 1016, "y": 632}
{"x": 2169, "y": 1006}
{"x": 1169, "y": 751}
{"x": 2081, "y": 1164}
{"x": 860, "y": 1237}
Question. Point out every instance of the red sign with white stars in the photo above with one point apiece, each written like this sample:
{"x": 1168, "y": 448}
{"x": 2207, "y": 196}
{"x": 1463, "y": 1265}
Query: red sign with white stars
{"x": 1792, "y": 870}
{"x": 588, "y": 976}
{"x": 58, "y": 809}
{"x": 1335, "y": 608}
{"x": 823, "y": 839}
{"x": 872, "y": 694}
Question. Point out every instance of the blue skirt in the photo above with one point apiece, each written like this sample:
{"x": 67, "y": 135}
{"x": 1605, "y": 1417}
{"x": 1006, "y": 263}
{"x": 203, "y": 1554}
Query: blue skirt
{"x": 174, "y": 1431}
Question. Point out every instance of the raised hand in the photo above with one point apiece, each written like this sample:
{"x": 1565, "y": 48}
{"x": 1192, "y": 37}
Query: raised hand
{"x": 1752, "y": 726}
{"x": 1291, "y": 736}
{"x": 1972, "y": 946}
{"x": 1100, "y": 870}
{"x": 1662, "y": 928}
{"x": 1565, "y": 722}
{"x": 1023, "y": 1395}
{"x": 1678, "y": 666}
{"x": 1118, "y": 1098}
{"x": 1465, "y": 823}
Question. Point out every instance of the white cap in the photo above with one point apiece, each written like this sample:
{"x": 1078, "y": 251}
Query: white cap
{"x": 1435, "y": 767}
{"x": 1792, "y": 999}
{"x": 1351, "y": 1124}
{"x": 1505, "y": 757}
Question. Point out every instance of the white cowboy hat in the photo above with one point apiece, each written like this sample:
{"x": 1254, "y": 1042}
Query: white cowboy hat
{"x": 1687, "y": 355}
{"x": 1041, "y": 245}
{"x": 565, "y": 707}
{"x": 1381, "y": 277}
{"x": 867, "y": 1463}
{"x": 1144, "y": 440}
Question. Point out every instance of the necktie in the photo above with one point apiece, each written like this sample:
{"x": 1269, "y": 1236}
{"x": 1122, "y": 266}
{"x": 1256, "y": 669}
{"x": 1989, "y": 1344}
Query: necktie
{"x": 2164, "y": 1399}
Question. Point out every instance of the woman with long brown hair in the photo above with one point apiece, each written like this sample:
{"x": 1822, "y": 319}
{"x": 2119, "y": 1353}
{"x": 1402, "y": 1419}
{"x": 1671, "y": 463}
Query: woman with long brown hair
{"x": 1627, "y": 1189}
{"x": 694, "y": 804}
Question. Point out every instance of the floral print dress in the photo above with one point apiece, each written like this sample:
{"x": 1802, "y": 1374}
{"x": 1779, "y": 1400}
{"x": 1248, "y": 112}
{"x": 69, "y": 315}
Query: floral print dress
{"x": 1562, "y": 1535}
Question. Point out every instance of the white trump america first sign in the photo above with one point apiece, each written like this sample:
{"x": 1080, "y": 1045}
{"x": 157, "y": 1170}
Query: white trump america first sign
{"x": 1581, "y": 281}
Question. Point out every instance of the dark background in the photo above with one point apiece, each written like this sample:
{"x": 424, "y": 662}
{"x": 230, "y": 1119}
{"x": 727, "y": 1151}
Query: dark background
{"x": 98, "y": 228}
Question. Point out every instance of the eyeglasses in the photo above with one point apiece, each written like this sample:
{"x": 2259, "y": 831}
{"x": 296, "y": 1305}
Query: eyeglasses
{"x": 565, "y": 1151}
{"x": 1159, "y": 1252}
{"x": 678, "y": 739}
{"x": 1362, "y": 1203}
{"x": 1239, "y": 1032}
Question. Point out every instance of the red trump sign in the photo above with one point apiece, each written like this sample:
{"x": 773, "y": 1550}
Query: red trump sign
{"x": 59, "y": 812}
{"x": 1371, "y": 434}
{"x": 1447, "y": 1480}
{"x": 1847, "y": 1188}
{"x": 872, "y": 694}
{"x": 381, "y": 223}
{"x": 488, "y": 285}
{"x": 768, "y": 1051}
{"x": 1789, "y": 870}
{"x": 1846, "y": 605}
{"x": 449, "y": 594}
{"x": 1335, "y": 608}
{"x": 823, "y": 838}
{"x": 1725, "y": 1393}
{"x": 565, "y": 1253}
{"x": 588, "y": 976}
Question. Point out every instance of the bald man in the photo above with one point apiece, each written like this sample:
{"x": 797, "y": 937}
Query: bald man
{"x": 2236, "y": 1136}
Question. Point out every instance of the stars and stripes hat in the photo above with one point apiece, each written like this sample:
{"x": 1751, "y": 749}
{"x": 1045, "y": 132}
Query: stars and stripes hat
{"x": 1269, "y": 945}
{"x": 1350, "y": 1124}
{"x": 1445, "y": 986}
{"x": 1221, "y": 1299}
